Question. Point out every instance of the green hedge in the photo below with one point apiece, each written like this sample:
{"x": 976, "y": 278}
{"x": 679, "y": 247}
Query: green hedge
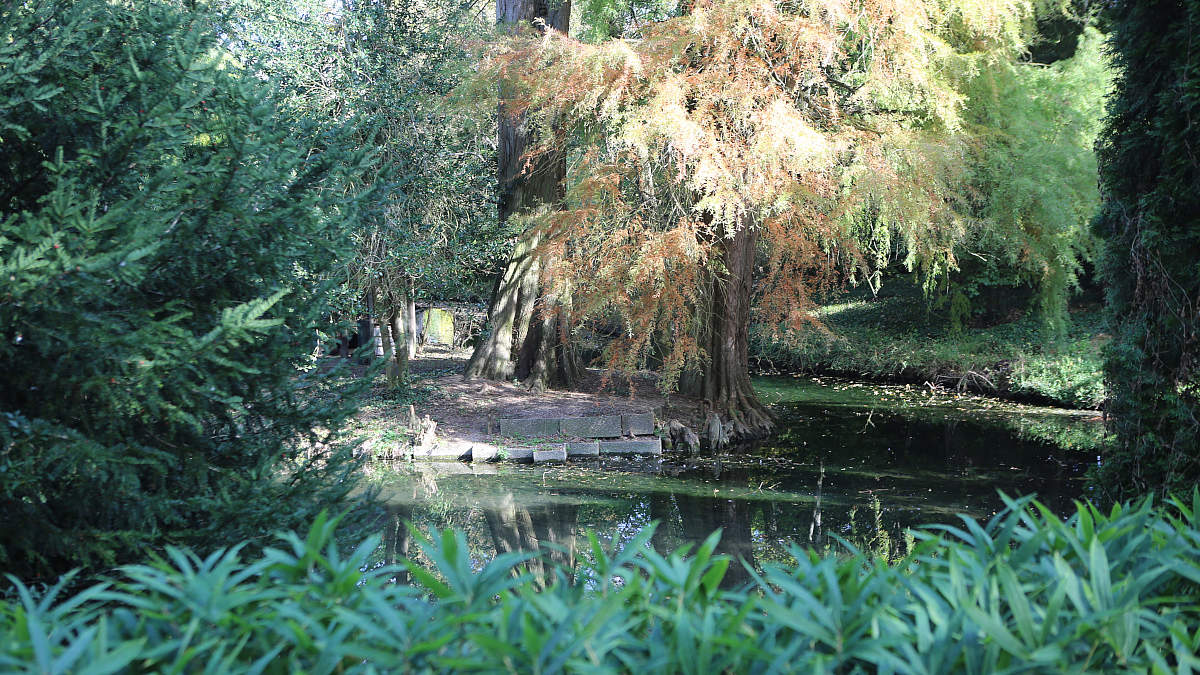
{"x": 1024, "y": 592}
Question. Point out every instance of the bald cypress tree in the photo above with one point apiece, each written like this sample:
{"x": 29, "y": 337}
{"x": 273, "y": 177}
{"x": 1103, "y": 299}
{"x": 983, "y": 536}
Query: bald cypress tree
{"x": 1150, "y": 179}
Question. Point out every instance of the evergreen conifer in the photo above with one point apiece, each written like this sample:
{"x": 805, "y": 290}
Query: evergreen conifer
{"x": 1149, "y": 158}
{"x": 164, "y": 243}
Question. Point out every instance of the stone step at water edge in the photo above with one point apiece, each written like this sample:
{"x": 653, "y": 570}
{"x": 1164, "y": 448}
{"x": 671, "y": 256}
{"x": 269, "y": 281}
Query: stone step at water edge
{"x": 651, "y": 446}
{"x": 550, "y": 455}
{"x": 486, "y": 452}
{"x": 440, "y": 452}
{"x": 517, "y": 454}
{"x": 583, "y": 449}
{"x": 600, "y": 426}
{"x": 482, "y": 452}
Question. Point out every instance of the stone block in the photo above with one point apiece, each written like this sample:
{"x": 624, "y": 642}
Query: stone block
{"x": 533, "y": 427}
{"x": 637, "y": 424}
{"x": 439, "y": 451}
{"x": 650, "y": 447}
{"x": 516, "y": 454}
{"x": 484, "y": 452}
{"x": 438, "y": 327}
{"x": 606, "y": 426}
{"x": 558, "y": 454}
{"x": 583, "y": 449}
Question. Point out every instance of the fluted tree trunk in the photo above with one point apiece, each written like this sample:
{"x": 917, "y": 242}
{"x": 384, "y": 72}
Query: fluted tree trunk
{"x": 524, "y": 185}
{"x": 492, "y": 358}
{"x": 726, "y": 379}
{"x": 723, "y": 383}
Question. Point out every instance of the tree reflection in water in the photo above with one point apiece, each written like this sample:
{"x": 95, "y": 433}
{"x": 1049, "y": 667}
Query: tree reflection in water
{"x": 548, "y": 530}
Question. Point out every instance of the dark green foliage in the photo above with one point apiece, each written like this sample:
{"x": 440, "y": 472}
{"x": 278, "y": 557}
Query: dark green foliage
{"x": 1025, "y": 592}
{"x": 1150, "y": 179}
{"x": 391, "y": 65}
{"x": 162, "y": 243}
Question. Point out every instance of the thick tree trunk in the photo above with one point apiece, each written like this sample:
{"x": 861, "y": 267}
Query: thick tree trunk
{"x": 556, "y": 15}
{"x": 527, "y": 297}
{"x": 547, "y": 358}
{"x": 524, "y": 185}
{"x": 492, "y": 358}
{"x": 725, "y": 382}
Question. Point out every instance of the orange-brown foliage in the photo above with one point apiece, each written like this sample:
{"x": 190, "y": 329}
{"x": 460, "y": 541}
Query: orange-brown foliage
{"x": 830, "y": 126}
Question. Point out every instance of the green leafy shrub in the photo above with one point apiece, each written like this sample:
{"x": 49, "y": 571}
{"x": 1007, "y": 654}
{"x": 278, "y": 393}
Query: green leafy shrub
{"x": 1032, "y": 184}
{"x": 163, "y": 240}
{"x": 1025, "y": 591}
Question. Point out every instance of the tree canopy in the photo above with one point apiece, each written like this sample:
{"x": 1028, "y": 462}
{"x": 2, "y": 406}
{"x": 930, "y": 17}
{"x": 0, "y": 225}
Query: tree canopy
{"x": 772, "y": 151}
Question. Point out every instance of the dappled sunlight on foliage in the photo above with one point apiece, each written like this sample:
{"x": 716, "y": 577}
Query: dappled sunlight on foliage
{"x": 846, "y": 136}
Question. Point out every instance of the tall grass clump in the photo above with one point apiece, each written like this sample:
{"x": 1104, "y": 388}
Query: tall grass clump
{"x": 1025, "y": 591}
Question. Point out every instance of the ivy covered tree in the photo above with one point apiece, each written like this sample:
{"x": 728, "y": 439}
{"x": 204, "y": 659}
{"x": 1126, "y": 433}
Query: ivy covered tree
{"x": 165, "y": 244}
{"x": 1150, "y": 181}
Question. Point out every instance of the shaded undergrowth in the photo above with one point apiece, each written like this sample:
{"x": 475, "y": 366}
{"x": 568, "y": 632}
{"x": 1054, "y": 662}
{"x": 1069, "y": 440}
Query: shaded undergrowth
{"x": 897, "y": 337}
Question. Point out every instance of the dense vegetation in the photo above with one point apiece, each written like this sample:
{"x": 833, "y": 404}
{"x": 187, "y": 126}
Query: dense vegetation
{"x": 389, "y": 66}
{"x": 1025, "y": 591}
{"x": 1150, "y": 172}
{"x": 893, "y": 334}
{"x": 197, "y": 198}
{"x": 165, "y": 247}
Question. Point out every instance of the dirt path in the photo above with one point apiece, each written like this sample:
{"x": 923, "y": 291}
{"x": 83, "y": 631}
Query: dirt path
{"x": 464, "y": 409}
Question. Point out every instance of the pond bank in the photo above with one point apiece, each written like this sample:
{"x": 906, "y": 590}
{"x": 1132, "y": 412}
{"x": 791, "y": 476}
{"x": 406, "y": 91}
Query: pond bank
{"x": 467, "y": 413}
{"x": 897, "y": 339}
{"x": 863, "y": 462}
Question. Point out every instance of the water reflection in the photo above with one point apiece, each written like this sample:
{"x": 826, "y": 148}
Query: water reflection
{"x": 547, "y": 530}
{"x": 864, "y": 474}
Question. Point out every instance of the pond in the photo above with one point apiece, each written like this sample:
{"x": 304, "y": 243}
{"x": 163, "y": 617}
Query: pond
{"x": 863, "y": 463}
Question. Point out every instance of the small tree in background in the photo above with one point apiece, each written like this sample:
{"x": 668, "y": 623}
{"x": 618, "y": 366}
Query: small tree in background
{"x": 164, "y": 240}
{"x": 1150, "y": 180}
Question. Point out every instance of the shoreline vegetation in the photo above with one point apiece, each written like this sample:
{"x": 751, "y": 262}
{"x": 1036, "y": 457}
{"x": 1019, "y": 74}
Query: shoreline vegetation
{"x": 1021, "y": 590}
{"x": 896, "y": 338}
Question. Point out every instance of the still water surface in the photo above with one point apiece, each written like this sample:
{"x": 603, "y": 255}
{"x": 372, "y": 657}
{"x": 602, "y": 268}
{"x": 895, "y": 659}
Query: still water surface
{"x": 863, "y": 462}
